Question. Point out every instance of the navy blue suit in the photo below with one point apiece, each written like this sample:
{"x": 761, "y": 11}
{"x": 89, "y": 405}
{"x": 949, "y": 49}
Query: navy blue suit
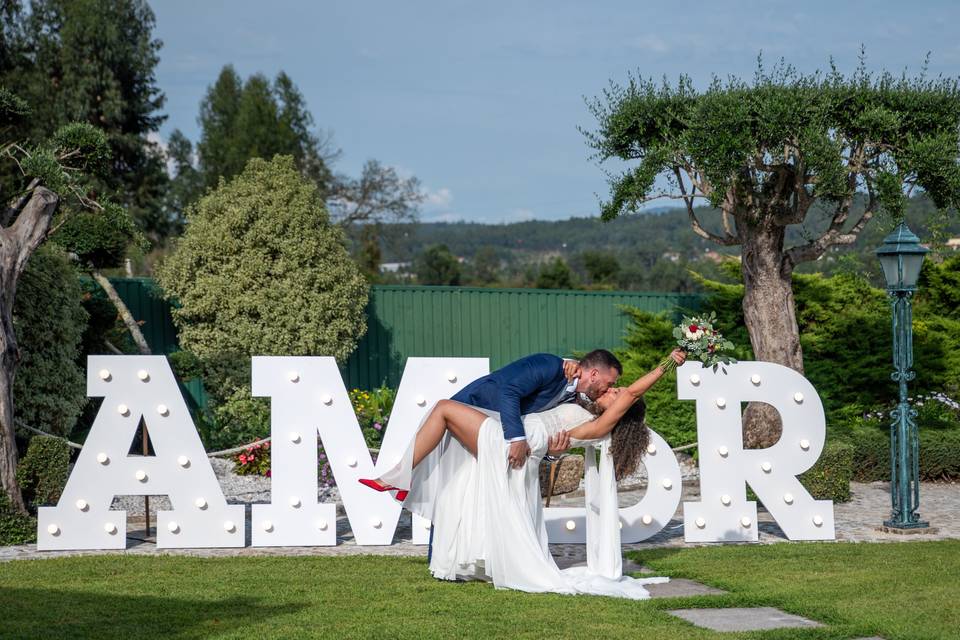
{"x": 531, "y": 384}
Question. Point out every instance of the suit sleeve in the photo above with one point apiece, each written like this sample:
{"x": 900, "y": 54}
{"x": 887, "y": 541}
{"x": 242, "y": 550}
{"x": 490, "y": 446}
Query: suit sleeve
{"x": 533, "y": 372}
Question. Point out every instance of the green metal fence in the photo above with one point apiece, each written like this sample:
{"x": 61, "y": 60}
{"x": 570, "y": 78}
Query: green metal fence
{"x": 502, "y": 324}
{"x": 404, "y": 321}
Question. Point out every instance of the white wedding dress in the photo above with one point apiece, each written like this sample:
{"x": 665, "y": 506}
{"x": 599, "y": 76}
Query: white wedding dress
{"x": 488, "y": 518}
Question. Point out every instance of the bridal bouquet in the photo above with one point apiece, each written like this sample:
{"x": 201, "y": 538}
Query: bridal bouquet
{"x": 701, "y": 341}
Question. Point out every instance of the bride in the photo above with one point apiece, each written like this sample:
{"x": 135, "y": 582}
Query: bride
{"x": 488, "y": 518}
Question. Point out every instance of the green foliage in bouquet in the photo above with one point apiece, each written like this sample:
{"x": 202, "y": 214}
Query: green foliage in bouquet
{"x": 700, "y": 339}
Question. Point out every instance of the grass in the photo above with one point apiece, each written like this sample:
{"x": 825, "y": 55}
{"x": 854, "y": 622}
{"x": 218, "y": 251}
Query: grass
{"x": 897, "y": 591}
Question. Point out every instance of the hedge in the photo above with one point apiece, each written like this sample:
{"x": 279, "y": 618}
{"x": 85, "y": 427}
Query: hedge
{"x": 15, "y": 528}
{"x": 829, "y": 479}
{"x": 939, "y": 454}
{"x": 42, "y": 473}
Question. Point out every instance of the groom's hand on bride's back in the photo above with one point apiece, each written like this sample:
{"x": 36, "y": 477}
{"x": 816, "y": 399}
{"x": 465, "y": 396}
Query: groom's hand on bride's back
{"x": 558, "y": 443}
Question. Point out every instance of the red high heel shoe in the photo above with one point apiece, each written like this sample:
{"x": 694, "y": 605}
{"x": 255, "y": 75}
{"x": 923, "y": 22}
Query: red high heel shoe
{"x": 376, "y": 486}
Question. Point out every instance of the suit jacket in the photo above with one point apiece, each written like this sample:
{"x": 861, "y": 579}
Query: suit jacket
{"x": 531, "y": 384}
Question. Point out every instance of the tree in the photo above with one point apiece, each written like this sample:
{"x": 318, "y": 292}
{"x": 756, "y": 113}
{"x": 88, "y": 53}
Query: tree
{"x": 99, "y": 240}
{"x": 58, "y": 170}
{"x": 260, "y": 270}
{"x": 437, "y": 266}
{"x": 486, "y": 265}
{"x": 255, "y": 118}
{"x": 765, "y": 154}
{"x": 186, "y": 182}
{"x": 602, "y": 267}
{"x": 93, "y": 61}
{"x": 556, "y": 274}
{"x": 369, "y": 255}
{"x": 380, "y": 194}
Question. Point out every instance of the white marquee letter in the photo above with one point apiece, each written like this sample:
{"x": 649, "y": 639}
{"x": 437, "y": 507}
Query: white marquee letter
{"x": 723, "y": 513}
{"x": 640, "y": 521}
{"x": 308, "y": 397}
{"x": 135, "y": 387}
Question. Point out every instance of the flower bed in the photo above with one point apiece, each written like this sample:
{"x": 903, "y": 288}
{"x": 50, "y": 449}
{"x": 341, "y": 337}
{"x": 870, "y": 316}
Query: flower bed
{"x": 372, "y": 409}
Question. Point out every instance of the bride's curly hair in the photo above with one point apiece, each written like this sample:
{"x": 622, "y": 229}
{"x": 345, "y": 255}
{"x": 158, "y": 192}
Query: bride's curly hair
{"x": 629, "y": 440}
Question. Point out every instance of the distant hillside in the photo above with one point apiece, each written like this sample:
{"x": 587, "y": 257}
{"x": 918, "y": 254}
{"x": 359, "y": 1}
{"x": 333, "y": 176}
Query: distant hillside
{"x": 639, "y": 236}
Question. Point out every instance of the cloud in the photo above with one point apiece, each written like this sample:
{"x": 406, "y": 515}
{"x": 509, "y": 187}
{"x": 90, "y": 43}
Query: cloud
{"x": 651, "y": 43}
{"x": 437, "y": 199}
{"x": 520, "y": 214}
{"x": 155, "y": 138}
{"x": 446, "y": 216}
{"x": 436, "y": 205}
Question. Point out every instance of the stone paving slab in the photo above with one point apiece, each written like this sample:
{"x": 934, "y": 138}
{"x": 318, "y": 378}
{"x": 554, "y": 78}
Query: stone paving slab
{"x": 681, "y": 588}
{"x": 743, "y": 618}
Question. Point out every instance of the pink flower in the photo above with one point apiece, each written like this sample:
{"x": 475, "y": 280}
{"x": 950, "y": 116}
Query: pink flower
{"x": 268, "y": 473}
{"x": 377, "y": 426}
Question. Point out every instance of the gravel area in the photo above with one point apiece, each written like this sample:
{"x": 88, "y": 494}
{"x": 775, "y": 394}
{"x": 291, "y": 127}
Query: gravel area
{"x": 858, "y": 520}
{"x": 236, "y": 489}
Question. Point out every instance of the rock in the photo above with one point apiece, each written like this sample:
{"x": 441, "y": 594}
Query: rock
{"x": 569, "y": 471}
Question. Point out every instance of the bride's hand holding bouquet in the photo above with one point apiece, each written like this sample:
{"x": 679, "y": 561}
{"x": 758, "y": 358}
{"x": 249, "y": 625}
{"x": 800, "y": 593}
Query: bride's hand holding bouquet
{"x": 698, "y": 338}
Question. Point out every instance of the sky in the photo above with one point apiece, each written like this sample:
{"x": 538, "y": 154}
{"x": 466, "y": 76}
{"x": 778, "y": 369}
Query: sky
{"x": 482, "y": 100}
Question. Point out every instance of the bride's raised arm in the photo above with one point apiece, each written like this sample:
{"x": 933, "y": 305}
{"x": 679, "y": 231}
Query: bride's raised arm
{"x": 608, "y": 419}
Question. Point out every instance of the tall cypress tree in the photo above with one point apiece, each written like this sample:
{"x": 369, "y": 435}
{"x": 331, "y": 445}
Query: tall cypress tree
{"x": 93, "y": 61}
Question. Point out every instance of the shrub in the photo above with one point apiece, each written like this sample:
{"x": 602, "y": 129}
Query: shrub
{"x": 829, "y": 479}
{"x": 373, "y": 411}
{"x": 868, "y": 431}
{"x": 15, "y": 528}
{"x": 261, "y": 270}
{"x": 49, "y": 320}
{"x": 939, "y": 454}
{"x": 42, "y": 473}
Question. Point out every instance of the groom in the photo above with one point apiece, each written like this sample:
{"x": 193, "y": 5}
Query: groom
{"x": 537, "y": 383}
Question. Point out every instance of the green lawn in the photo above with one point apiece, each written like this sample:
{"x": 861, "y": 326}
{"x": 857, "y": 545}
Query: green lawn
{"x": 906, "y": 590}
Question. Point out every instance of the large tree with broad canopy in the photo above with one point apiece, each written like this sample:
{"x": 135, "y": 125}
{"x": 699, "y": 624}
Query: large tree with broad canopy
{"x": 764, "y": 154}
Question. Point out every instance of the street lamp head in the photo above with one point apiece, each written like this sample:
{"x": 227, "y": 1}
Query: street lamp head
{"x": 901, "y": 256}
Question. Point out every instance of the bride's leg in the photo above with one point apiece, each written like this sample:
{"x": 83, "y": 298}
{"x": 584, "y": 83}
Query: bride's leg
{"x": 462, "y": 420}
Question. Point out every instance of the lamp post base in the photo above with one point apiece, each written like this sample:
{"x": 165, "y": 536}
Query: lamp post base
{"x": 907, "y": 529}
